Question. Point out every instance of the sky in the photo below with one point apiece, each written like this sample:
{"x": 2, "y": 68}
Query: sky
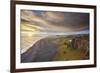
{"x": 53, "y": 22}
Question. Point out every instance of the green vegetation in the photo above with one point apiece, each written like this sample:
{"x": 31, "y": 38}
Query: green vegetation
{"x": 65, "y": 50}
{"x": 68, "y": 54}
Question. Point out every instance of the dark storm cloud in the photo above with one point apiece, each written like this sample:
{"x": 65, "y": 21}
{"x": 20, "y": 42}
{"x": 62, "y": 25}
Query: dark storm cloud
{"x": 69, "y": 19}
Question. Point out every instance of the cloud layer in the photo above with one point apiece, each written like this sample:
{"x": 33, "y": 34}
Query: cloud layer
{"x": 49, "y": 21}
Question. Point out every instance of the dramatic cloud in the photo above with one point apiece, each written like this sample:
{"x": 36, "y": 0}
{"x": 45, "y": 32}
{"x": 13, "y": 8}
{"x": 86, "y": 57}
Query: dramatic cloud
{"x": 49, "y": 21}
